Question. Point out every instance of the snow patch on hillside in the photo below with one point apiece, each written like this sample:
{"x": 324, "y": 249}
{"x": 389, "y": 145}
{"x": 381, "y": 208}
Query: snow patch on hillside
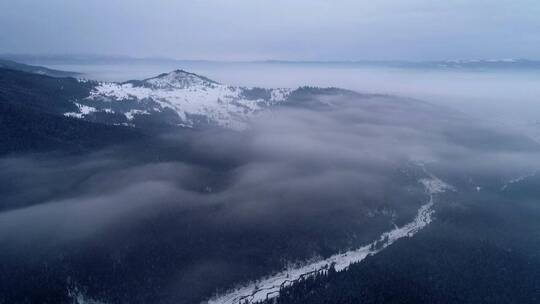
{"x": 83, "y": 110}
{"x": 130, "y": 115}
{"x": 517, "y": 180}
{"x": 78, "y": 297}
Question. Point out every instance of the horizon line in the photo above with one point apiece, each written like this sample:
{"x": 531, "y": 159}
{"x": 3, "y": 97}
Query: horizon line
{"x": 95, "y": 56}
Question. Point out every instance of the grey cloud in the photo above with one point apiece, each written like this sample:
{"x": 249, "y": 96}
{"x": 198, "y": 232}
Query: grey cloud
{"x": 245, "y": 30}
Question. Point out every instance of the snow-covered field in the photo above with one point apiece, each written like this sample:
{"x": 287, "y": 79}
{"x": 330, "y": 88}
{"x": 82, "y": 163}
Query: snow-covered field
{"x": 269, "y": 287}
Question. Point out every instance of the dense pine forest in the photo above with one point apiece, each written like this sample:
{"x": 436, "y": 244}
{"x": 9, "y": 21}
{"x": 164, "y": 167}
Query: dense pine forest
{"x": 463, "y": 257}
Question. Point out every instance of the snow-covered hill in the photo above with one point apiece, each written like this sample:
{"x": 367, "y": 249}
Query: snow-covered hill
{"x": 180, "y": 98}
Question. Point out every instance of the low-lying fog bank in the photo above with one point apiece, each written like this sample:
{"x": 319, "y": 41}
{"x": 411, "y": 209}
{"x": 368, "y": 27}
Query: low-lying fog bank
{"x": 210, "y": 209}
{"x": 502, "y": 95}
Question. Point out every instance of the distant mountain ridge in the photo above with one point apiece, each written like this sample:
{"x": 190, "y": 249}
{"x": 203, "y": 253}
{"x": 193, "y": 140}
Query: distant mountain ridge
{"x": 85, "y": 59}
{"x": 8, "y": 64}
{"x": 474, "y": 64}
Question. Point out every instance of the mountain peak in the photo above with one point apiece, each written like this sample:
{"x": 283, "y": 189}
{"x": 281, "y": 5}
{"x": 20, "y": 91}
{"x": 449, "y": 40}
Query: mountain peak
{"x": 178, "y": 79}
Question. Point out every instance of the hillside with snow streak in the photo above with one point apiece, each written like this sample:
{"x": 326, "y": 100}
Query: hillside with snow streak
{"x": 269, "y": 287}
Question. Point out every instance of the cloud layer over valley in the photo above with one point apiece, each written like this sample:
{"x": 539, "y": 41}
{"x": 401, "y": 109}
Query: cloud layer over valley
{"x": 212, "y": 208}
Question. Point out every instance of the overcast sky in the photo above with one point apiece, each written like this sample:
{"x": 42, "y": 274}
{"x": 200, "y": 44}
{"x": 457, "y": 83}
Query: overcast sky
{"x": 274, "y": 29}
